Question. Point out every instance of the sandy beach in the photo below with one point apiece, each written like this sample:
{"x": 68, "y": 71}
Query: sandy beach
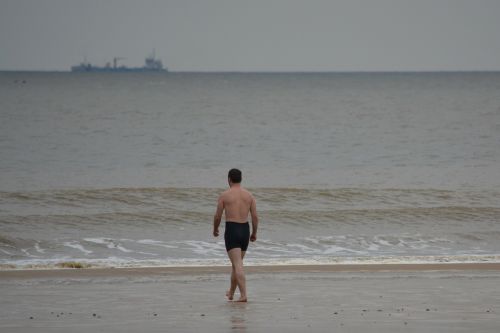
{"x": 343, "y": 298}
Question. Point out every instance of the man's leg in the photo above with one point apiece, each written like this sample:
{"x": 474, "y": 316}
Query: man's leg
{"x": 234, "y": 284}
{"x": 236, "y": 257}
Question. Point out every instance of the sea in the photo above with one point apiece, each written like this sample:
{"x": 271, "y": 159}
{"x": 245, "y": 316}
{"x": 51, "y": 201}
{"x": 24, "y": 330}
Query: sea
{"x": 124, "y": 169}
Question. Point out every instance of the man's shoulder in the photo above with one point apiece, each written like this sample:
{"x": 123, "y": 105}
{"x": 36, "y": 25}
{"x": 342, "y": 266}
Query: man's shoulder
{"x": 232, "y": 192}
{"x": 224, "y": 193}
{"x": 247, "y": 192}
{"x": 227, "y": 194}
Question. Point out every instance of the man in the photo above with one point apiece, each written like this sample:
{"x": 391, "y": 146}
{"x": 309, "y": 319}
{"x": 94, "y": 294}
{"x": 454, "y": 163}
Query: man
{"x": 237, "y": 203}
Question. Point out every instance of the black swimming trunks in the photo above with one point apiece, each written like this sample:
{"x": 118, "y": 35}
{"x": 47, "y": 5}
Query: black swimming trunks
{"x": 237, "y": 235}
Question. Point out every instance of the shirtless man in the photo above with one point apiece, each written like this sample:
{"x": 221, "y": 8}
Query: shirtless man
{"x": 237, "y": 204}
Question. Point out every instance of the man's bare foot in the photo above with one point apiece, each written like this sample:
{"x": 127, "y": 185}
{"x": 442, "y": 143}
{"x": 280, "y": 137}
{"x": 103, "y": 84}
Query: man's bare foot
{"x": 229, "y": 295}
{"x": 242, "y": 300}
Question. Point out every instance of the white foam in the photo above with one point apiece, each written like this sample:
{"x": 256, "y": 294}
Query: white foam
{"x": 156, "y": 243}
{"x": 121, "y": 248}
{"x": 110, "y": 243}
{"x": 25, "y": 251}
{"x": 77, "y": 245}
{"x": 5, "y": 251}
{"x": 104, "y": 241}
{"x": 382, "y": 242}
{"x": 303, "y": 248}
{"x": 147, "y": 253}
{"x": 38, "y": 248}
{"x": 379, "y": 244}
{"x": 205, "y": 248}
{"x": 332, "y": 249}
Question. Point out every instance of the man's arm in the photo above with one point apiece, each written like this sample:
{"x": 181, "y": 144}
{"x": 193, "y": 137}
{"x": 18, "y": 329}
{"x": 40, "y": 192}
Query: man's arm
{"x": 255, "y": 220}
{"x": 218, "y": 216}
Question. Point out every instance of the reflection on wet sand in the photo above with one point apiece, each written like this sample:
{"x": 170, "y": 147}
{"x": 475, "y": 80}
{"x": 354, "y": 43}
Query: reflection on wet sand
{"x": 238, "y": 316}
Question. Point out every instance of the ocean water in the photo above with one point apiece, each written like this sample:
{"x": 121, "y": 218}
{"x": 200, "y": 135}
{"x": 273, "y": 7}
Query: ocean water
{"x": 124, "y": 169}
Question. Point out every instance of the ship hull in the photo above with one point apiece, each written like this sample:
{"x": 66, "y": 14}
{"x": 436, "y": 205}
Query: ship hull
{"x": 82, "y": 69}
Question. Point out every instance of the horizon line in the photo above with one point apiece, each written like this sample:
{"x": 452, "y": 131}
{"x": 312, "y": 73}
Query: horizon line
{"x": 263, "y": 72}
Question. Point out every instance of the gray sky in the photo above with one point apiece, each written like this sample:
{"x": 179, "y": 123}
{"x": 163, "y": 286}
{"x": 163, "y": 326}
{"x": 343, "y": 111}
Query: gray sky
{"x": 253, "y": 35}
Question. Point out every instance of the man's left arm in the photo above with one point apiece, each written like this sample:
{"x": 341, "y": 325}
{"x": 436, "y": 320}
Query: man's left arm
{"x": 255, "y": 220}
{"x": 218, "y": 215}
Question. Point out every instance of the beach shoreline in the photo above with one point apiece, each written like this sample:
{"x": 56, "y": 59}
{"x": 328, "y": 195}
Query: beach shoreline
{"x": 258, "y": 269}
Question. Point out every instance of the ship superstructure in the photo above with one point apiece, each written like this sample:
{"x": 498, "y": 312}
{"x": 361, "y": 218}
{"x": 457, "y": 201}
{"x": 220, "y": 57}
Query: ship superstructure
{"x": 151, "y": 64}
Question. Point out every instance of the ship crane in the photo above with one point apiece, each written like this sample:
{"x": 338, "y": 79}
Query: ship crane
{"x": 115, "y": 61}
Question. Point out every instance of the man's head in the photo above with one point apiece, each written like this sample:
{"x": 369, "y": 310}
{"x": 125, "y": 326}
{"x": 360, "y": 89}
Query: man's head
{"x": 234, "y": 176}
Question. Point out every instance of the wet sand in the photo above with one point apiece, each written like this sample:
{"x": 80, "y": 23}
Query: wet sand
{"x": 343, "y": 298}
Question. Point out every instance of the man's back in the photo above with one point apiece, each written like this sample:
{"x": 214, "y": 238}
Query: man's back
{"x": 237, "y": 204}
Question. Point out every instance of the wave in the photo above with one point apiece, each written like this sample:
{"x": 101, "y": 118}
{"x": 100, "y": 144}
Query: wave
{"x": 125, "y": 251}
{"x": 171, "y": 226}
{"x": 157, "y": 196}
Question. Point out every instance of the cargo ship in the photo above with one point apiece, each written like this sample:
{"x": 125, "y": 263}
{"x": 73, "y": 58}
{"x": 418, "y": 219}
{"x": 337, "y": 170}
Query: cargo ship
{"x": 151, "y": 64}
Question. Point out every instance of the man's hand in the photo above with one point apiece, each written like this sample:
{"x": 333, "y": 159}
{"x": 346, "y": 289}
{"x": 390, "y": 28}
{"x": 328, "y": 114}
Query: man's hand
{"x": 216, "y": 232}
{"x": 253, "y": 237}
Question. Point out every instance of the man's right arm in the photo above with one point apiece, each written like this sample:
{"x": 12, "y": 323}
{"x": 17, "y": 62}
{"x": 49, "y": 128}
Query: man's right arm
{"x": 255, "y": 220}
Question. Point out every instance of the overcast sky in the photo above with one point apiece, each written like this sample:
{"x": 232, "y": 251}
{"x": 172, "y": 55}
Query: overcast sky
{"x": 253, "y": 35}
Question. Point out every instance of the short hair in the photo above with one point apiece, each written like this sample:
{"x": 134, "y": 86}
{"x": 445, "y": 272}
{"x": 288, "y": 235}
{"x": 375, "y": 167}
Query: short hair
{"x": 234, "y": 175}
